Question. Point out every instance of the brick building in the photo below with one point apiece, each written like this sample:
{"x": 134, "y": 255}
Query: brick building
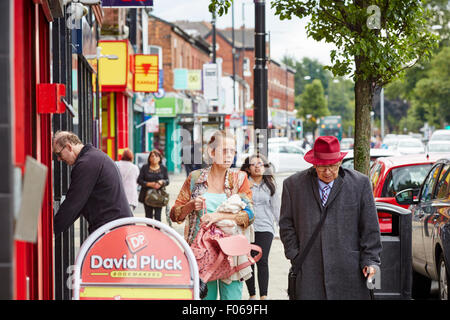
{"x": 179, "y": 48}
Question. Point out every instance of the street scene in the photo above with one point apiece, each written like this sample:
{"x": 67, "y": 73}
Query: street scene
{"x": 224, "y": 150}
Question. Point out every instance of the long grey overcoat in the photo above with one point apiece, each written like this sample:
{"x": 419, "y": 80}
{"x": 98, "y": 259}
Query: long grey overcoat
{"x": 348, "y": 241}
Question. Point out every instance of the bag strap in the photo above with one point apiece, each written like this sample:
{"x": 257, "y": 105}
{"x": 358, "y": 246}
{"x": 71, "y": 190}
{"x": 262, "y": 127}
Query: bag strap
{"x": 252, "y": 260}
{"x": 298, "y": 261}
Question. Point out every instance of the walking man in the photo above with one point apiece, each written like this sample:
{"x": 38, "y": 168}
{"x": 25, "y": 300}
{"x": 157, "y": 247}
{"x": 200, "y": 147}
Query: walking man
{"x": 347, "y": 247}
{"x": 96, "y": 189}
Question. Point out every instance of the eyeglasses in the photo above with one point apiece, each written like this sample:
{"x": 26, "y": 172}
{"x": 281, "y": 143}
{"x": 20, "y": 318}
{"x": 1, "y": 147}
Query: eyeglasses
{"x": 58, "y": 154}
{"x": 333, "y": 167}
{"x": 227, "y": 150}
{"x": 257, "y": 165}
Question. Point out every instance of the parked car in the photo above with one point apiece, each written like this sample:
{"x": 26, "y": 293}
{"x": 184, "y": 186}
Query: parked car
{"x": 430, "y": 230}
{"x": 439, "y": 146}
{"x": 410, "y": 146}
{"x": 389, "y": 141}
{"x": 348, "y": 161}
{"x": 347, "y": 144}
{"x": 440, "y": 135}
{"x": 283, "y": 157}
{"x": 390, "y": 175}
{"x": 300, "y": 144}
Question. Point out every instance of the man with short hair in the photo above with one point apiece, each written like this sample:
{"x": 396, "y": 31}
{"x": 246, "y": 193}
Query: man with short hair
{"x": 347, "y": 248}
{"x": 95, "y": 190}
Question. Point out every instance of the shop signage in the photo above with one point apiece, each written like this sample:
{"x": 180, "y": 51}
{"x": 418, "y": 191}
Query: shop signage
{"x": 185, "y": 79}
{"x": 235, "y": 120}
{"x": 194, "y": 81}
{"x": 168, "y": 106}
{"x": 115, "y": 75}
{"x": 180, "y": 79}
{"x": 127, "y": 3}
{"x": 153, "y": 124}
{"x": 134, "y": 261}
{"x": 146, "y": 73}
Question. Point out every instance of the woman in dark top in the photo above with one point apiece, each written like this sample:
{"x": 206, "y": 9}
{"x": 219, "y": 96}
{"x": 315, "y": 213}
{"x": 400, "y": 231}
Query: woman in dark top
{"x": 154, "y": 175}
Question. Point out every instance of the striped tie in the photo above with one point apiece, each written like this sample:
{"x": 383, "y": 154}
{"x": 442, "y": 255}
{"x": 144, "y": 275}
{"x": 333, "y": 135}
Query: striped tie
{"x": 325, "y": 194}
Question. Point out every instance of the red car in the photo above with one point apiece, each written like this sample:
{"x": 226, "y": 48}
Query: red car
{"x": 391, "y": 175}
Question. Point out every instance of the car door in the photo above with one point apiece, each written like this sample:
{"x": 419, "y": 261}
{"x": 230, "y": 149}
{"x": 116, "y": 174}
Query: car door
{"x": 433, "y": 218}
{"x": 419, "y": 216}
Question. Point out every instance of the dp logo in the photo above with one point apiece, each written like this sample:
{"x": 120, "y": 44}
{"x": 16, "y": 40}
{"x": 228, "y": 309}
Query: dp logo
{"x": 136, "y": 242}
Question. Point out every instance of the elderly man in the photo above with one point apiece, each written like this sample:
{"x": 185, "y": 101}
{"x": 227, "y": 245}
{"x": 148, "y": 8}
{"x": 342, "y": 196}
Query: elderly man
{"x": 96, "y": 189}
{"x": 347, "y": 247}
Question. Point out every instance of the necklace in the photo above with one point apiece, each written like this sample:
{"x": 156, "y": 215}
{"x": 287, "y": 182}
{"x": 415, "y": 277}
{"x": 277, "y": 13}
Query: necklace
{"x": 150, "y": 168}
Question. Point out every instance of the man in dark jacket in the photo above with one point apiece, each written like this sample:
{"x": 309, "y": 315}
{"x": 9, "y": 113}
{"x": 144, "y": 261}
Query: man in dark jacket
{"x": 96, "y": 189}
{"x": 348, "y": 247}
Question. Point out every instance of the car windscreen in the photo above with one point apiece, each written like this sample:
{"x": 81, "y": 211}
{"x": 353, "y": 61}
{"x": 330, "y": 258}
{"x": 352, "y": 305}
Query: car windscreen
{"x": 409, "y": 144}
{"x": 404, "y": 178}
{"x": 439, "y": 147}
{"x": 441, "y": 137}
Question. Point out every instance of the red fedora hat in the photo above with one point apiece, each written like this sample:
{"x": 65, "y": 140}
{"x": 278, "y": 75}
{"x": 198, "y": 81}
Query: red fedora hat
{"x": 326, "y": 151}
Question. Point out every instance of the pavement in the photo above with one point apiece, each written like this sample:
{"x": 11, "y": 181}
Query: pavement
{"x": 278, "y": 264}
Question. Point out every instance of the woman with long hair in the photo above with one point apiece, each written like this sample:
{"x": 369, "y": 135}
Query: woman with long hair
{"x": 266, "y": 203}
{"x": 154, "y": 175}
{"x": 213, "y": 185}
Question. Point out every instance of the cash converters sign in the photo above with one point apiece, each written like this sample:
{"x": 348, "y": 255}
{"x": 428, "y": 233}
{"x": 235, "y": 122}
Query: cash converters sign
{"x": 127, "y": 3}
{"x": 135, "y": 262}
{"x": 146, "y": 73}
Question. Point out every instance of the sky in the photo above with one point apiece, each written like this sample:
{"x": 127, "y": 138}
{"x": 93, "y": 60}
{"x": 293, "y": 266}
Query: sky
{"x": 287, "y": 37}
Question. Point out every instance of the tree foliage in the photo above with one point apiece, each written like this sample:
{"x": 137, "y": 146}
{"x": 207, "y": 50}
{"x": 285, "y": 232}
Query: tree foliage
{"x": 376, "y": 42}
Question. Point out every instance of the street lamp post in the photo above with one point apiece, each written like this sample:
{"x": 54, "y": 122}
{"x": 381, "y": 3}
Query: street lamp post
{"x": 260, "y": 78}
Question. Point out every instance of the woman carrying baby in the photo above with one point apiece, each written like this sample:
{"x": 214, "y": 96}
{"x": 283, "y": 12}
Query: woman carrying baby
{"x": 212, "y": 186}
{"x": 266, "y": 202}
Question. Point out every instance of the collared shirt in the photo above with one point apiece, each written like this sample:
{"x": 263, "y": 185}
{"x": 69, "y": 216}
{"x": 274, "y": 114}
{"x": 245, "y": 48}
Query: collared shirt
{"x": 322, "y": 185}
{"x": 265, "y": 207}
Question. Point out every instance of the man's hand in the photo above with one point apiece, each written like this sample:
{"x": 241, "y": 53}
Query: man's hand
{"x": 369, "y": 271}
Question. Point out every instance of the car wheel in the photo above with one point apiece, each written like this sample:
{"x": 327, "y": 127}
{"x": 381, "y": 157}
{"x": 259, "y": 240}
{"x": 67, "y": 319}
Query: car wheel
{"x": 443, "y": 279}
{"x": 421, "y": 286}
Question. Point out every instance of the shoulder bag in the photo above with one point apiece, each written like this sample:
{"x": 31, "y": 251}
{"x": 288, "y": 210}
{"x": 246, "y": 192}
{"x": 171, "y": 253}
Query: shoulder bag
{"x": 156, "y": 197}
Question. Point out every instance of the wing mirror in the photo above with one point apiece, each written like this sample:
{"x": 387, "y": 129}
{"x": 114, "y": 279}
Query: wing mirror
{"x": 407, "y": 197}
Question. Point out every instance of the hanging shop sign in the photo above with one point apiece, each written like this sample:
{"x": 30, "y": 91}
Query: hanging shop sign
{"x": 127, "y": 3}
{"x": 115, "y": 74}
{"x": 185, "y": 79}
{"x": 130, "y": 259}
{"x": 146, "y": 73}
{"x": 194, "y": 81}
{"x": 180, "y": 79}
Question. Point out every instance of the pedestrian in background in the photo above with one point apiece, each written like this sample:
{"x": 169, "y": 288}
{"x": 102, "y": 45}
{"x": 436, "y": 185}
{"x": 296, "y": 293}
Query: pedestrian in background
{"x": 266, "y": 206}
{"x": 96, "y": 190}
{"x": 347, "y": 248}
{"x": 153, "y": 175}
{"x": 213, "y": 185}
{"x": 130, "y": 173}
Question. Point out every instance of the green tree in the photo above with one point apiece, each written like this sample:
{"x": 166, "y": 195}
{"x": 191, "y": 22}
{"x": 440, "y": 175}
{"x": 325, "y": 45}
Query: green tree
{"x": 313, "y": 105}
{"x": 379, "y": 39}
{"x": 433, "y": 91}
